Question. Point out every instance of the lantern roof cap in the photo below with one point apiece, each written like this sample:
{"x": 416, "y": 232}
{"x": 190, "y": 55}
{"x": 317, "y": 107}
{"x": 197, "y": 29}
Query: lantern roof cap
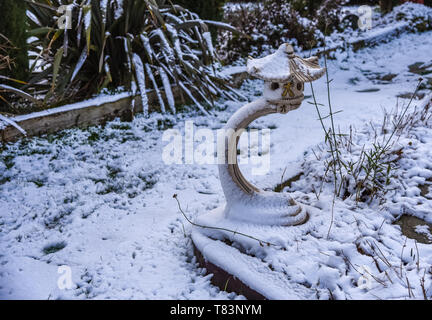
{"x": 283, "y": 65}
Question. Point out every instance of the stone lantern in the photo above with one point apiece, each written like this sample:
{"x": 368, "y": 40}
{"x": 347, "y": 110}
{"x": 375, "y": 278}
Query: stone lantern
{"x": 248, "y": 207}
{"x": 284, "y": 75}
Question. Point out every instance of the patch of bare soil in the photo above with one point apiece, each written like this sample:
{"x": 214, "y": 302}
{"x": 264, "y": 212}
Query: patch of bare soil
{"x": 408, "y": 225}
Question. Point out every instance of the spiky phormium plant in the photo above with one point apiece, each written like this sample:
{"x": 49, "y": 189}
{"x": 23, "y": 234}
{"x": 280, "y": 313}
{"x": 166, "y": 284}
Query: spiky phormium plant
{"x": 136, "y": 44}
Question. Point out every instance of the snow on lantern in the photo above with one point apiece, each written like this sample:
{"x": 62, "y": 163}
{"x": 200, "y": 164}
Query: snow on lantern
{"x": 284, "y": 75}
{"x": 249, "y": 209}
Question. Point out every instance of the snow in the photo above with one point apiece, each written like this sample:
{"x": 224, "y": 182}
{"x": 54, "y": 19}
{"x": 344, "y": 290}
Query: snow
{"x": 107, "y": 195}
{"x": 140, "y": 77}
{"x": 166, "y": 49}
{"x": 118, "y": 4}
{"x": 147, "y": 46}
{"x": 264, "y": 207}
{"x": 274, "y": 67}
{"x": 230, "y": 70}
{"x": 190, "y": 95}
{"x": 97, "y": 101}
{"x": 236, "y": 6}
{"x": 278, "y": 67}
{"x": 156, "y": 87}
{"x": 379, "y": 33}
{"x": 424, "y": 229}
{"x": 209, "y": 41}
{"x": 167, "y": 87}
{"x": 175, "y": 40}
{"x": 104, "y": 6}
{"x": 80, "y": 63}
{"x": 407, "y": 17}
{"x": 253, "y": 271}
{"x": 32, "y": 17}
{"x": 5, "y": 121}
{"x": 87, "y": 20}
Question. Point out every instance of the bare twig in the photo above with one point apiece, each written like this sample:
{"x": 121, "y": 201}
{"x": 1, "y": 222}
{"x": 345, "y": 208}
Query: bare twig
{"x": 223, "y": 229}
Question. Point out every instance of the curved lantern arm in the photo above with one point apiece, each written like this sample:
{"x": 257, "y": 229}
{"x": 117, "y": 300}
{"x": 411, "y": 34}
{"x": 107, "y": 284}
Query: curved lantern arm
{"x": 235, "y": 127}
{"x": 246, "y": 115}
{"x": 232, "y": 180}
{"x": 245, "y": 201}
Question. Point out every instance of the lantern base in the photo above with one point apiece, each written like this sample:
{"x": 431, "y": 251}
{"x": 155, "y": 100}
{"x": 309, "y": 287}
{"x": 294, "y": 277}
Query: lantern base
{"x": 236, "y": 260}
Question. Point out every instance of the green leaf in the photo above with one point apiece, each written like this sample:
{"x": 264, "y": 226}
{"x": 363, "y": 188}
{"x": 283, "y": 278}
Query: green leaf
{"x": 39, "y": 31}
{"x": 87, "y": 13}
{"x": 56, "y": 66}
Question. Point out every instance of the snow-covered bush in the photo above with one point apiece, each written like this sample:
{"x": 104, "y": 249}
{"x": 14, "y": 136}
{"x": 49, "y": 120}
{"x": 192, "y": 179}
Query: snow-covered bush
{"x": 418, "y": 16}
{"x": 364, "y": 165}
{"x": 9, "y": 93}
{"x": 135, "y": 44}
{"x": 273, "y": 22}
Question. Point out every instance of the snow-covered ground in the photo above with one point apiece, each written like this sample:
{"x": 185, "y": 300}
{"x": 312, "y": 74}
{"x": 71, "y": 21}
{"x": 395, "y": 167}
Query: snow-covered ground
{"x": 100, "y": 200}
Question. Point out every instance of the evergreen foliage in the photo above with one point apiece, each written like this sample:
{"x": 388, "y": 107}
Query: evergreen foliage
{"x": 140, "y": 45}
{"x": 13, "y": 41}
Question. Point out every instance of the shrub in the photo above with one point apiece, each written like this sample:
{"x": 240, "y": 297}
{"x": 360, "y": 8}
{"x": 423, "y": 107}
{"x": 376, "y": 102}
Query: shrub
{"x": 5, "y": 59}
{"x": 417, "y": 16}
{"x": 273, "y": 22}
{"x": 365, "y": 172}
{"x": 209, "y": 9}
{"x": 13, "y": 40}
{"x": 136, "y": 44}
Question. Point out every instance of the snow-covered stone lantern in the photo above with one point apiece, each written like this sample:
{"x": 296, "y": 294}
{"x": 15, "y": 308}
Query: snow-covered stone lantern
{"x": 249, "y": 209}
{"x": 284, "y": 75}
